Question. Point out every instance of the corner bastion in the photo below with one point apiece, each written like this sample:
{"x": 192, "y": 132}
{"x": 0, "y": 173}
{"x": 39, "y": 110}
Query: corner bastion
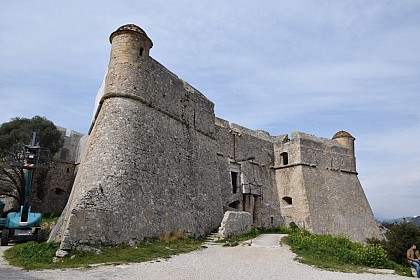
{"x": 146, "y": 166}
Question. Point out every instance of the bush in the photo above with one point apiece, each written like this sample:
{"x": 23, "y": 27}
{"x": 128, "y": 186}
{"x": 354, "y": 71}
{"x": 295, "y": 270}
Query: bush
{"x": 284, "y": 229}
{"x": 337, "y": 249}
{"x": 372, "y": 255}
{"x": 399, "y": 238}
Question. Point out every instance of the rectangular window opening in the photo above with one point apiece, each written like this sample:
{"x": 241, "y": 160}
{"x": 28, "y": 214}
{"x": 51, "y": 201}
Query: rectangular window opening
{"x": 234, "y": 176}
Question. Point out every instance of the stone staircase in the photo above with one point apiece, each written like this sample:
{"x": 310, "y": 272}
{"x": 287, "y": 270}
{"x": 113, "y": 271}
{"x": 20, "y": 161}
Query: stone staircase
{"x": 211, "y": 239}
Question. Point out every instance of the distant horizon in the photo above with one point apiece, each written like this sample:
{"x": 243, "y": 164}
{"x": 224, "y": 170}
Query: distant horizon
{"x": 387, "y": 219}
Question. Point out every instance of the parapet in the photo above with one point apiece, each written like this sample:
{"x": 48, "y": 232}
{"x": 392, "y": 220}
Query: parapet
{"x": 71, "y": 140}
{"x": 129, "y": 44}
{"x": 305, "y": 137}
{"x": 342, "y": 134}
{"x": 260, "y": 134}
{"x": 221, "y": 122}
{"x": 316, "y": 151}
{"x": 127, "y": 28}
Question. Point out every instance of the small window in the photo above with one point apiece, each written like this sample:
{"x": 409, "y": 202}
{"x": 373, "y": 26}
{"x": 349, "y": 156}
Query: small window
{"x": 141, "y": 51}
{"x": 59, "y": 191}
{"x": 235, "y": 204}
{"x": 288, "y": 200}
{"x": 284, "y": 158}
{"x": 234, "y": 176}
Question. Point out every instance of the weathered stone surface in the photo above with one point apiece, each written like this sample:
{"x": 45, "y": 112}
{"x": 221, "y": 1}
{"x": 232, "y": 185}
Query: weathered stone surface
{"x": 61, "y": 253}
{"x": 89, "y": 249}
{"x": 322, "y": 182}
{"x": 146, "y": 167}
{"x": 235, "y": 224}
{"x": 250, "y": 154}
{"x": 51, "y": 187}
{"x": 157, "y": 160}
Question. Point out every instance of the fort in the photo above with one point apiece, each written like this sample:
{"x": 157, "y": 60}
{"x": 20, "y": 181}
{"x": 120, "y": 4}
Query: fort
{"x": 156, "y": 160}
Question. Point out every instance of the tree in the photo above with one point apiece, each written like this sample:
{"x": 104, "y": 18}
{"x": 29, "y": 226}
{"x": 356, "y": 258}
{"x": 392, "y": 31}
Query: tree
{"x": 399, "y": 238}
{"x": 13, "y": 136}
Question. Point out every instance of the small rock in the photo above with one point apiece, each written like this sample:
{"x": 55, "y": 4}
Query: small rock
{"x": 86, "y": 248}
{"x": 132, "y": 242}
{"x": 61, "y": 253}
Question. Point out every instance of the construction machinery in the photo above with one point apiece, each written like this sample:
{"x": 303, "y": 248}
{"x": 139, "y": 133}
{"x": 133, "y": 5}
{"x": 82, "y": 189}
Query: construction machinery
{"x": 26, "y": 224}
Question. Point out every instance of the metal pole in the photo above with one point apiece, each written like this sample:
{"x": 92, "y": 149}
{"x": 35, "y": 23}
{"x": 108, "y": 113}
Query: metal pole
{"x": 28, "y": 188}
{"x": 25, "y": 210}
{"x": 33, "y": 138}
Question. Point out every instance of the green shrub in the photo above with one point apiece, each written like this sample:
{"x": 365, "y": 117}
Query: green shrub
{"x": 337, "y": 249}
{"x": 399, "y": 238}
{"x": 372, "y": 255}
{"x": 293, "y": 226}
{"x": 284, "y": 229}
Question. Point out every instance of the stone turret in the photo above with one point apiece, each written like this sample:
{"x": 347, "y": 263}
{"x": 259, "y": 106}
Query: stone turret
{"x": 346, "y": 140}
{"x": 130, "y": 47}
{"x": 129, "y": 44}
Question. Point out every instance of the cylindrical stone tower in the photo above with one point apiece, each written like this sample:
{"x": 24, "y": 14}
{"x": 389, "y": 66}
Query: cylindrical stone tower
{"x": 129, "y": 44}
{"x": 346, "y": 140}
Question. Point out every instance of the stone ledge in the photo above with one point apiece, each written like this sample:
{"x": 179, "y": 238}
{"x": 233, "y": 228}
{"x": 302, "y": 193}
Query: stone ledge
{"x": 293, "y": 165}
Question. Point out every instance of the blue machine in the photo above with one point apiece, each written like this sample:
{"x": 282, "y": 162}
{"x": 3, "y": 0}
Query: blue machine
{"x": 25, "y": 224}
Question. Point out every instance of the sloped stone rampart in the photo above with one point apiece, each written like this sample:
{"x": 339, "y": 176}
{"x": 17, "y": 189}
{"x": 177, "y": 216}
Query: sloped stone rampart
{"x": 235, "y": 224}
{"x": 143, "y": 180}
{"x": 145, "y": 170}
{"x": 324, "y": 192}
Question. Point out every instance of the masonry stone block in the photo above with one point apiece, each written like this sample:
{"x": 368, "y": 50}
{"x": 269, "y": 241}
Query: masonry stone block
{"x": 235, "y": 224}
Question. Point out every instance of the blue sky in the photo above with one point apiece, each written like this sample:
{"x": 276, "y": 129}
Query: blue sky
{"x": 281, "y": 66}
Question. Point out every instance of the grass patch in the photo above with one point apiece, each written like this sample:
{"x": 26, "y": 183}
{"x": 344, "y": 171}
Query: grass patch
{"x": 235, "y": 240}
{"x": 328, "y": 252}
{"x": 48, "y": 222}
{"x": 338, "y": 253}
{"x": 34, "y": 256}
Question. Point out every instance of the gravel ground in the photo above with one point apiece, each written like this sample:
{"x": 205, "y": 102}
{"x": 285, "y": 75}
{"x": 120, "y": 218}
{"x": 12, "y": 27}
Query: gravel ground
{"x": 262, "y": 259}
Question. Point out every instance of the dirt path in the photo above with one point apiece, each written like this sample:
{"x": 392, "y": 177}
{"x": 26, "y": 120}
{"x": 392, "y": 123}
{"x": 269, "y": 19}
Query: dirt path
{"x": 260, "y": 259}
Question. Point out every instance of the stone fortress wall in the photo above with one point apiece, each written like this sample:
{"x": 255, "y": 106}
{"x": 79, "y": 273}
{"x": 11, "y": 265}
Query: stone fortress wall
{"x": 145, "y": 171}
{"x": 248, "y": 182}
{"x": 157, "y": 160}
{"x": 51, "y": 188}
{"x": 319, "y": 188}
